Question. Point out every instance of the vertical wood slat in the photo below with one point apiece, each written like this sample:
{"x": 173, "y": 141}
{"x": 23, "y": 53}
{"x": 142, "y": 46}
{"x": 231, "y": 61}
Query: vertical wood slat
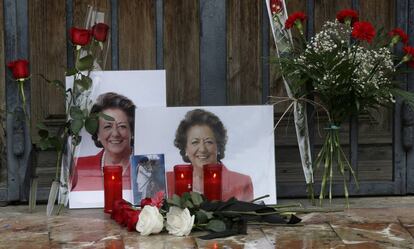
{"x": 213, "y": 78}
{"x": 47, "y": 57}
{"x": 244, "y": 52}
{"x": 136, "y": 34}
{"x": 80, "y": 11}
{"x": 3, "y": 168}
{"x": 181, "y": 51}
{"x": 159, "y": 16}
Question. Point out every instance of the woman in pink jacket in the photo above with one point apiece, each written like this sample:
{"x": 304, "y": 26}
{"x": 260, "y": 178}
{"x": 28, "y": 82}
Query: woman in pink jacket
{"x": 201, "y": 138}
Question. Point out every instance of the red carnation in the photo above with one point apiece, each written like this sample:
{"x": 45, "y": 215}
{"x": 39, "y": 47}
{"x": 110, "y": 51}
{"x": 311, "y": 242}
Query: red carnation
{"x": 19, "y": 68}
{"x": 347, "y": 15}
{"x": 409, "y": 56}
{"x": 118, "y": 209}
{"x": 276, "y": 6}
{"x": 80, "y": 37}
{"x": 363, "y": 31}
{"x": 296, "y": 18}
{"x": 399, "y": 35}
{"x": 100, "y": 31}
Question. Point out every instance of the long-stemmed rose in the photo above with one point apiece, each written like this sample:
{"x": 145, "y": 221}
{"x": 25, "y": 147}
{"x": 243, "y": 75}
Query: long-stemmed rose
{"x": 100, "y": 32}
{"x": 150, "y": 221}
{"x": 179, "y": 221}
{"x": 20, "y": 70}
{"x": 80, "y": 37}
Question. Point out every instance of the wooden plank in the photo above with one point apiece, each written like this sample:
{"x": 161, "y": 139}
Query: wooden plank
{"x": 159, "y": 13}
{"x": 410, "y": 84}
{"x": 213, "y": 80}
{"x": 47, "y": 103}
{"x": 80, "y": 12}
{"x": 181, "y": 51}
{"x": 244, "y": 52}
{"x": 137, "y": 39}
{"x": 3, "y": 166}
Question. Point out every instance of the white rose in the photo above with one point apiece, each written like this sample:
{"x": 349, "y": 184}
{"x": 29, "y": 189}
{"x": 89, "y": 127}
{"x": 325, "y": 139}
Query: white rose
{"x": 179, "y": 221}
{"x": 150, "y": 221}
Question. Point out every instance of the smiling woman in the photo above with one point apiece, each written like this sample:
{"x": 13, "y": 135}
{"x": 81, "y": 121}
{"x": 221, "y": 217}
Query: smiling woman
{"x": 201, "y": 138}
{"x": 114, "y": 136}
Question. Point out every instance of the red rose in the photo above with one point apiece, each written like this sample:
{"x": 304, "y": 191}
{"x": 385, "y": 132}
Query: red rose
{"x": 296, "y": 18}
{"x": 118, "y": 210}
{"x": 347, "y": 15}
{"x": 80, "y": 37}
{"x": 363, "y": 31}
{"x": 100, "y": 31}
{"x": 131, "y": 217}
{"x": 19, "y": 68}
{"x": 146, "y": 201}
{"x": 276, "y": 6}
{"x": 399, "y": 34}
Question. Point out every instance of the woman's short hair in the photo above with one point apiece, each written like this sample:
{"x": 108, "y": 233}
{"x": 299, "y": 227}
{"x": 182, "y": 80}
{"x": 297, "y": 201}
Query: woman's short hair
{"x": 117, "y": 101}
{"x": 201, "y": 117}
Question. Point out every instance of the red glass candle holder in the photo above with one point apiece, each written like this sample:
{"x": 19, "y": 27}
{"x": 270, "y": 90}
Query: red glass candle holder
{"x": 183, "y": 178}
{"x": 212, "y": 181}
{"x": 112, "y": 186}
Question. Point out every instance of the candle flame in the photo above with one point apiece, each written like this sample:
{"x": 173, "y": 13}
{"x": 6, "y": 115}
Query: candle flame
{"x": 113, "y": 177}
{"x": 182, "y": 176}
{"x": 214, "y": 175}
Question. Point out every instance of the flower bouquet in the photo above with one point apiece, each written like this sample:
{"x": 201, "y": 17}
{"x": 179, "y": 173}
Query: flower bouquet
{"x": 350, "y": 68}
{"x": 181, "y": 215}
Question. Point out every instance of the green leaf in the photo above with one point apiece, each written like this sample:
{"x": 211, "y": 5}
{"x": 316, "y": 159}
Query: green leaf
{"x": 216, "y": 226}
{"x": 188, "y": 204}
{"x": 85, "y": 82}
{"x": 76, "y": 113}
{"x": 76, "y": 125}
{"x": 201, "y": 217}
{"x": 91, "y": 125}
{"x": 56, "y": 143}
{"x": 85, "y": 63}
{"x": 174, "y": 200}
{"x": 106, "y": 117}
{"x": 71, "y": 71}
{"x": 196, "y": 198}
{"x": 44, "y": 144}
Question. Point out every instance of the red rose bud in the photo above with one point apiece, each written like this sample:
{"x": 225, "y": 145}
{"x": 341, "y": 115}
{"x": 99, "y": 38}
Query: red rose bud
{"x": 100, "y": 31}
{"x": 146, "y": 201}
{"x": 397, "y": 35}
{"x": 80, "y": 37}
{"x": 276, "y": 6}
{"x": 348, "y": 16}
{"x": 295, "y": 19}
{"x": 363, "y": 31}
{"x": 19, "y": 68}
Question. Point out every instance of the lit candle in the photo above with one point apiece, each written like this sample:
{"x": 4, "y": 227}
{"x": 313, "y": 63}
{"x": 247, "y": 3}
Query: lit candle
{"x": 112, "y": 186}
{"x": 183, "y": 177}
{"x": 212, "y": 181}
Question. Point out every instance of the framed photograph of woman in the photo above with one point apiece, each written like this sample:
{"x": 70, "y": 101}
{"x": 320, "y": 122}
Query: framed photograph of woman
{"x": 116, "y": 94}
{"x": 238, "y": 138}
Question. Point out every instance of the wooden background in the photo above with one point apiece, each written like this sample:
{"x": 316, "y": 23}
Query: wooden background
{"x": 180, "y": 48}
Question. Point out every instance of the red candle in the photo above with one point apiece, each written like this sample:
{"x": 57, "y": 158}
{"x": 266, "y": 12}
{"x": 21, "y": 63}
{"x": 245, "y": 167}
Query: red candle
{"x": 183, "y": 177}
{"x": 112, "y": 186}
{"x": 212, "y": 181}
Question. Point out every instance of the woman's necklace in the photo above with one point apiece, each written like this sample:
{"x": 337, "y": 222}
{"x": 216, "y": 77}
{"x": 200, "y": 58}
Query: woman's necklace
{"x": 124, "y": 169}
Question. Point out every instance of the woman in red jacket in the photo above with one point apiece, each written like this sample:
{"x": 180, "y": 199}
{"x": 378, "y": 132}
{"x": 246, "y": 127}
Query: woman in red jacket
{"x": 201, "y": 138}
{"x": 114, "y": 136}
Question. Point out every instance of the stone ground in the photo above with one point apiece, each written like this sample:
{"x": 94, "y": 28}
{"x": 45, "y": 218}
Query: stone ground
{"x": 371, "y": 222}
